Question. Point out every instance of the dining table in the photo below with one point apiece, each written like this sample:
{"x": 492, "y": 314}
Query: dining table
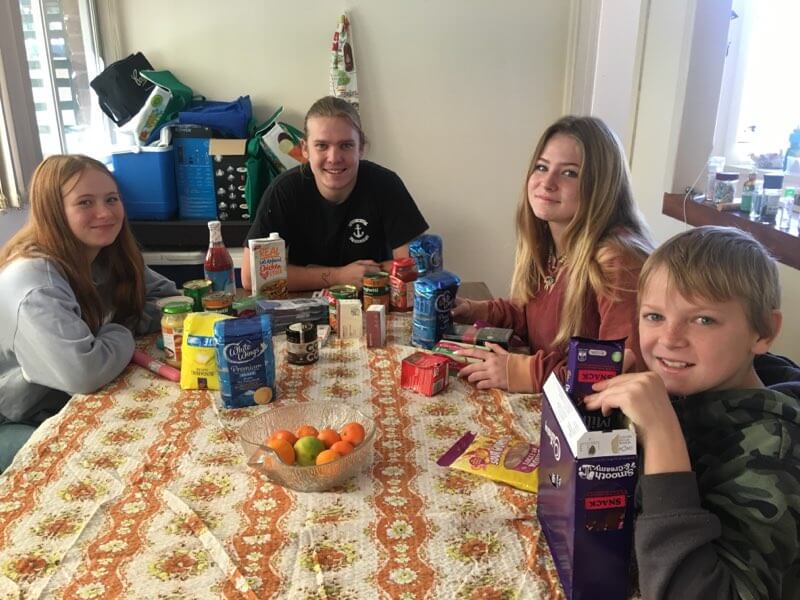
{"x": 142, "y": 490}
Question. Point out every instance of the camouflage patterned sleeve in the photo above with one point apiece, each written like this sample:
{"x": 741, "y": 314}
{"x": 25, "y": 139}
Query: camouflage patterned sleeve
{"x": 741, "y": 539}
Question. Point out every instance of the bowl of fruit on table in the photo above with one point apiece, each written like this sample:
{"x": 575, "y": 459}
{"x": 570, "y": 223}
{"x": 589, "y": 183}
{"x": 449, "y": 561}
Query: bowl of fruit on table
{"x": 309, "y": 447}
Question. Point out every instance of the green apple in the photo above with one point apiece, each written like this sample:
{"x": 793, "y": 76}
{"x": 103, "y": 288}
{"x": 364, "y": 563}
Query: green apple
{"x": 306, "y": 450}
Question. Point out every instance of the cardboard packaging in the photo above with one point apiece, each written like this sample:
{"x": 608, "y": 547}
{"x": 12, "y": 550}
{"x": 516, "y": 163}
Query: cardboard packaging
{"x": 424, "y": 373}
{"x": 585, "y": 506}
{"x": 590, "y": 361}
{"x": 350, "y": 318}
{"x": 376, "y": 326}
{"x": 229, "y": 159}
{"x": 269, "y": 275}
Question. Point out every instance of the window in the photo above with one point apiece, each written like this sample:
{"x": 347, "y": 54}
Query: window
{"x": 62, "y": 52}
{"x": 758, "y": 108}
{"x": 48, "y": 56}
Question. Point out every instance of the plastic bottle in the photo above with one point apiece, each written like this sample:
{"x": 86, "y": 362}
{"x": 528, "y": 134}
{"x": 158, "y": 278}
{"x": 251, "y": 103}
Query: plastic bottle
{"x": 218, "y": 266}
{"x": 748, "y": 190}
{"x": 714, "y": 165}
{"x": 757, "y": 202}
{"x": 772, "y": 197}
{"x": 786, "y": 209}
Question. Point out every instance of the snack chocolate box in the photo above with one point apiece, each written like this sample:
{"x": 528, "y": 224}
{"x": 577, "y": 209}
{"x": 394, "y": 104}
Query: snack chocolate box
{"x": 590, "y": 361}
{"x": 585, "y": 506}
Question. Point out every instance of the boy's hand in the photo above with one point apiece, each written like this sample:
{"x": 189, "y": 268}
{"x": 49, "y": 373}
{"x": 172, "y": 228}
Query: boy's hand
{"x": 491, "y": 371}
{"x": 644, "y": 400}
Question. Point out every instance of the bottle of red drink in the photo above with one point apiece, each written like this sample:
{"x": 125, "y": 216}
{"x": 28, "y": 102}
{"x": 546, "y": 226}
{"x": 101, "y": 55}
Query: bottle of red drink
{"x": 219, "y": 264}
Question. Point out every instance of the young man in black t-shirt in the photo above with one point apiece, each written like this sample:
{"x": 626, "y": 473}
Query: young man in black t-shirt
{"x": 341, "y": 217}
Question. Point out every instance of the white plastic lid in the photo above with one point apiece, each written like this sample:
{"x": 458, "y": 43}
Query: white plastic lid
{"x": 274, "y": 235}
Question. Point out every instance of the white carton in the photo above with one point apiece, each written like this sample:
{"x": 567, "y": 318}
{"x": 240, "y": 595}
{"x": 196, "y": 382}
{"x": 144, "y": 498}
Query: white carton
{"x": 268, "y": 271}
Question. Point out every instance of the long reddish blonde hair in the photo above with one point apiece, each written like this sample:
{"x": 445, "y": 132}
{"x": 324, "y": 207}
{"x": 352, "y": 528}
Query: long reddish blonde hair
{"x": 48, "y": 235}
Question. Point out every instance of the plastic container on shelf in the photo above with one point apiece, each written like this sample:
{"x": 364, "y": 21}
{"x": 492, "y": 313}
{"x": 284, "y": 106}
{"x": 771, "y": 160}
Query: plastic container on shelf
{"x": 146, "y": 180}
{"x": 748, "y": 191}
{"x": 713, "y": 166}
{"x": 725, "y": 187}
{"x": 786, "y": 209}
{"x": 773, "y": 182}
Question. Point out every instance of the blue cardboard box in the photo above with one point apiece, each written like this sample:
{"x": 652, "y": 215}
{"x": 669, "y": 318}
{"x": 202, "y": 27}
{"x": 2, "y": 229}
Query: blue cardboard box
{"x": 146, "y": 180}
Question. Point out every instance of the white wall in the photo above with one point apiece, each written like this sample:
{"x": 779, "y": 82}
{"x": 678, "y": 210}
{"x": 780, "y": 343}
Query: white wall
{"x": 454, "y": 93}
{"x": 10, "y": 222}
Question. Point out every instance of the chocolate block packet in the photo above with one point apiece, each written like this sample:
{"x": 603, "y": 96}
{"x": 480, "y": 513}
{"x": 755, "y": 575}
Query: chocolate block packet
{"x": 590, "y": 361}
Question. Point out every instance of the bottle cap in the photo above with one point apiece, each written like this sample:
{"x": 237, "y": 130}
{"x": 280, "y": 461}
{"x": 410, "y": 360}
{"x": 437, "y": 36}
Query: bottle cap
{"x": 727, "y": 176}
{"x": 174, "y": 308}
{"x": 773, "y": 181}
{"x": 274, "y": 235}
{"x": 214, "y": 224}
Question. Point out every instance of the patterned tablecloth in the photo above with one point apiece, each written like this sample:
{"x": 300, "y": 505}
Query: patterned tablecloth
{"x": 141, "y": 491}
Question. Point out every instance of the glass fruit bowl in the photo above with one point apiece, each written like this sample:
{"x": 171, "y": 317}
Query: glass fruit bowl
{"x": 253, "y": 436}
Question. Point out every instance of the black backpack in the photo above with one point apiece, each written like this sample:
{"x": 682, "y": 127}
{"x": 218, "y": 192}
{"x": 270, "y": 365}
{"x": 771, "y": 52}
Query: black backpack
{"x": 121, "y": 90}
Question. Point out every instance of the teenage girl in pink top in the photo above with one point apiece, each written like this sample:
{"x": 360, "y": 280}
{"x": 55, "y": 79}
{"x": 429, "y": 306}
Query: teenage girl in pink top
{"x": 580, "y": 246}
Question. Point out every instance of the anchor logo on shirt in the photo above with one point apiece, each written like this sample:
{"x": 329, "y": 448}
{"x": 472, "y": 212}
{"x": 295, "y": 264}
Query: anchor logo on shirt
{"x": 358, "y": 231}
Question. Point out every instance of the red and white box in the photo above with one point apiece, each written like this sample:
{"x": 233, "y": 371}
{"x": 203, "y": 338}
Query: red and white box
{"x": 424, "y": 373}
{"x": 376, "y": 326}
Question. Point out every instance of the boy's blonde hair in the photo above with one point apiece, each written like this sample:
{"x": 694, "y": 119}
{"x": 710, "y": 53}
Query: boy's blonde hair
{"x": 721, "y": 264}
{"x": 607, "y": 222}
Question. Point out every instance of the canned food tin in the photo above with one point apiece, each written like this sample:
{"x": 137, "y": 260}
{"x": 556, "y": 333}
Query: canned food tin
{"x": 376, "y": 289}
{"x": 219, "y": 302}
{"x": 196, "y": 289}
{"x": 301, "y": 343}
{"x": 336, "y": 293}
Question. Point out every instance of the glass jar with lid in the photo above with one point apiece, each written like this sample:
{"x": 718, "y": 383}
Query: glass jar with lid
{"x": 172, "y": 317}
{"x": 725, "y": 187}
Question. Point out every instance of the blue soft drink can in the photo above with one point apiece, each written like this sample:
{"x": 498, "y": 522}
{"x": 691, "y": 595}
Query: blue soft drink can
{"x": 427, "y": 251}
{"x": 434, "y": 297}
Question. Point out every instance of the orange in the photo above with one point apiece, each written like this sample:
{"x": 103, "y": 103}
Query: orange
{"x": 286, "y": 435}
{"x": 283, "y": 448}
{"x": 327, "y": 456}
{"x": 342, "y": 447}
{"x": 353, "y": 433}
{"x": 305, "y": 430}
{"x": 328, "y": 436}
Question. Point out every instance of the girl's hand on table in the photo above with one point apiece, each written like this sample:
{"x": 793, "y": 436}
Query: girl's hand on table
{"x": 491, "y": 371}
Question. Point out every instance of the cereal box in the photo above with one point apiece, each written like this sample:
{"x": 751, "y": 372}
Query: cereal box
{"x": 585, "y": 505}
{"x": 590, "y": 361}
{"x": 268, "y": 271}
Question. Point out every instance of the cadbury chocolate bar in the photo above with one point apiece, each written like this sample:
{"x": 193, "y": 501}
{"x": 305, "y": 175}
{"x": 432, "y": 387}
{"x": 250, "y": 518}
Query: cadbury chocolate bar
{"x": 590, "y": 361}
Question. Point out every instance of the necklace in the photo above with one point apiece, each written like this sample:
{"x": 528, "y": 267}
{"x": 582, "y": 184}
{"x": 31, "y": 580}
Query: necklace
{"x": 554, "y": 263}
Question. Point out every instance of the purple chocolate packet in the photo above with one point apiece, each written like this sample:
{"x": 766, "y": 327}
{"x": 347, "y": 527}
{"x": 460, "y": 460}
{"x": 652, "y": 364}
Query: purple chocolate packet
{"x": 590, "y": 361}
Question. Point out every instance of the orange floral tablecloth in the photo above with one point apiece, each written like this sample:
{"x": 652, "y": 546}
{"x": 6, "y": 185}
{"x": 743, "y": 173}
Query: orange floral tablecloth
{"x": 141, "y": 491}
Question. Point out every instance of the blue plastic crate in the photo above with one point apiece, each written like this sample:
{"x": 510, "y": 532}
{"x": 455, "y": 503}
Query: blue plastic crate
{"x": 146, "y": 179}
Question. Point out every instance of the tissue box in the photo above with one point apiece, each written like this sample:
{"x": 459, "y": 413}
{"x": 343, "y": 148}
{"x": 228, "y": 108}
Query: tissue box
{"x": 585, "y": 505}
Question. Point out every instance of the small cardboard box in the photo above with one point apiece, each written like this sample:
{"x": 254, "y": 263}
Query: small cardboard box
{"x": 351, "y": 318}
{"x": 585, "y": 506}
{"x": 229, "y": 159}
{"x": 376, "y": 326}
{"x": 424, "y": 373}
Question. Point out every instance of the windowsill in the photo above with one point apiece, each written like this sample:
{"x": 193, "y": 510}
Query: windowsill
{"x": 784, "y": 245}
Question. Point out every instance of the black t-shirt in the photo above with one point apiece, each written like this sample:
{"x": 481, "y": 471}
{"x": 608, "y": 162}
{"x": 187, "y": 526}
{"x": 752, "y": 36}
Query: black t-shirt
{"x": 379, "y": 215}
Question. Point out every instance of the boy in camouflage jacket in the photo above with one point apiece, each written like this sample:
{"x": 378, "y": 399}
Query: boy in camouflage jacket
{"x": 721, "y": 479}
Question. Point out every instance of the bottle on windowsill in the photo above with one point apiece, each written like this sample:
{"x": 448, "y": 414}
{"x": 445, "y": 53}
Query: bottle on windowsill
{"x": 218, "y": 266}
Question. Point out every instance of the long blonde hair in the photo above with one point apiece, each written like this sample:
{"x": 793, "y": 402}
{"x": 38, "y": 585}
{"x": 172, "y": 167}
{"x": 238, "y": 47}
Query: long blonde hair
{"x": 47, "y": 235}
{"x": 605, "y": 224}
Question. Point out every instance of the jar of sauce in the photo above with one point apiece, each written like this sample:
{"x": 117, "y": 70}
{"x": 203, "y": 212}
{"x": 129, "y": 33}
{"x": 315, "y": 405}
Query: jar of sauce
{"x": 172, "y": 317}
{"x": 401, "y": 283}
